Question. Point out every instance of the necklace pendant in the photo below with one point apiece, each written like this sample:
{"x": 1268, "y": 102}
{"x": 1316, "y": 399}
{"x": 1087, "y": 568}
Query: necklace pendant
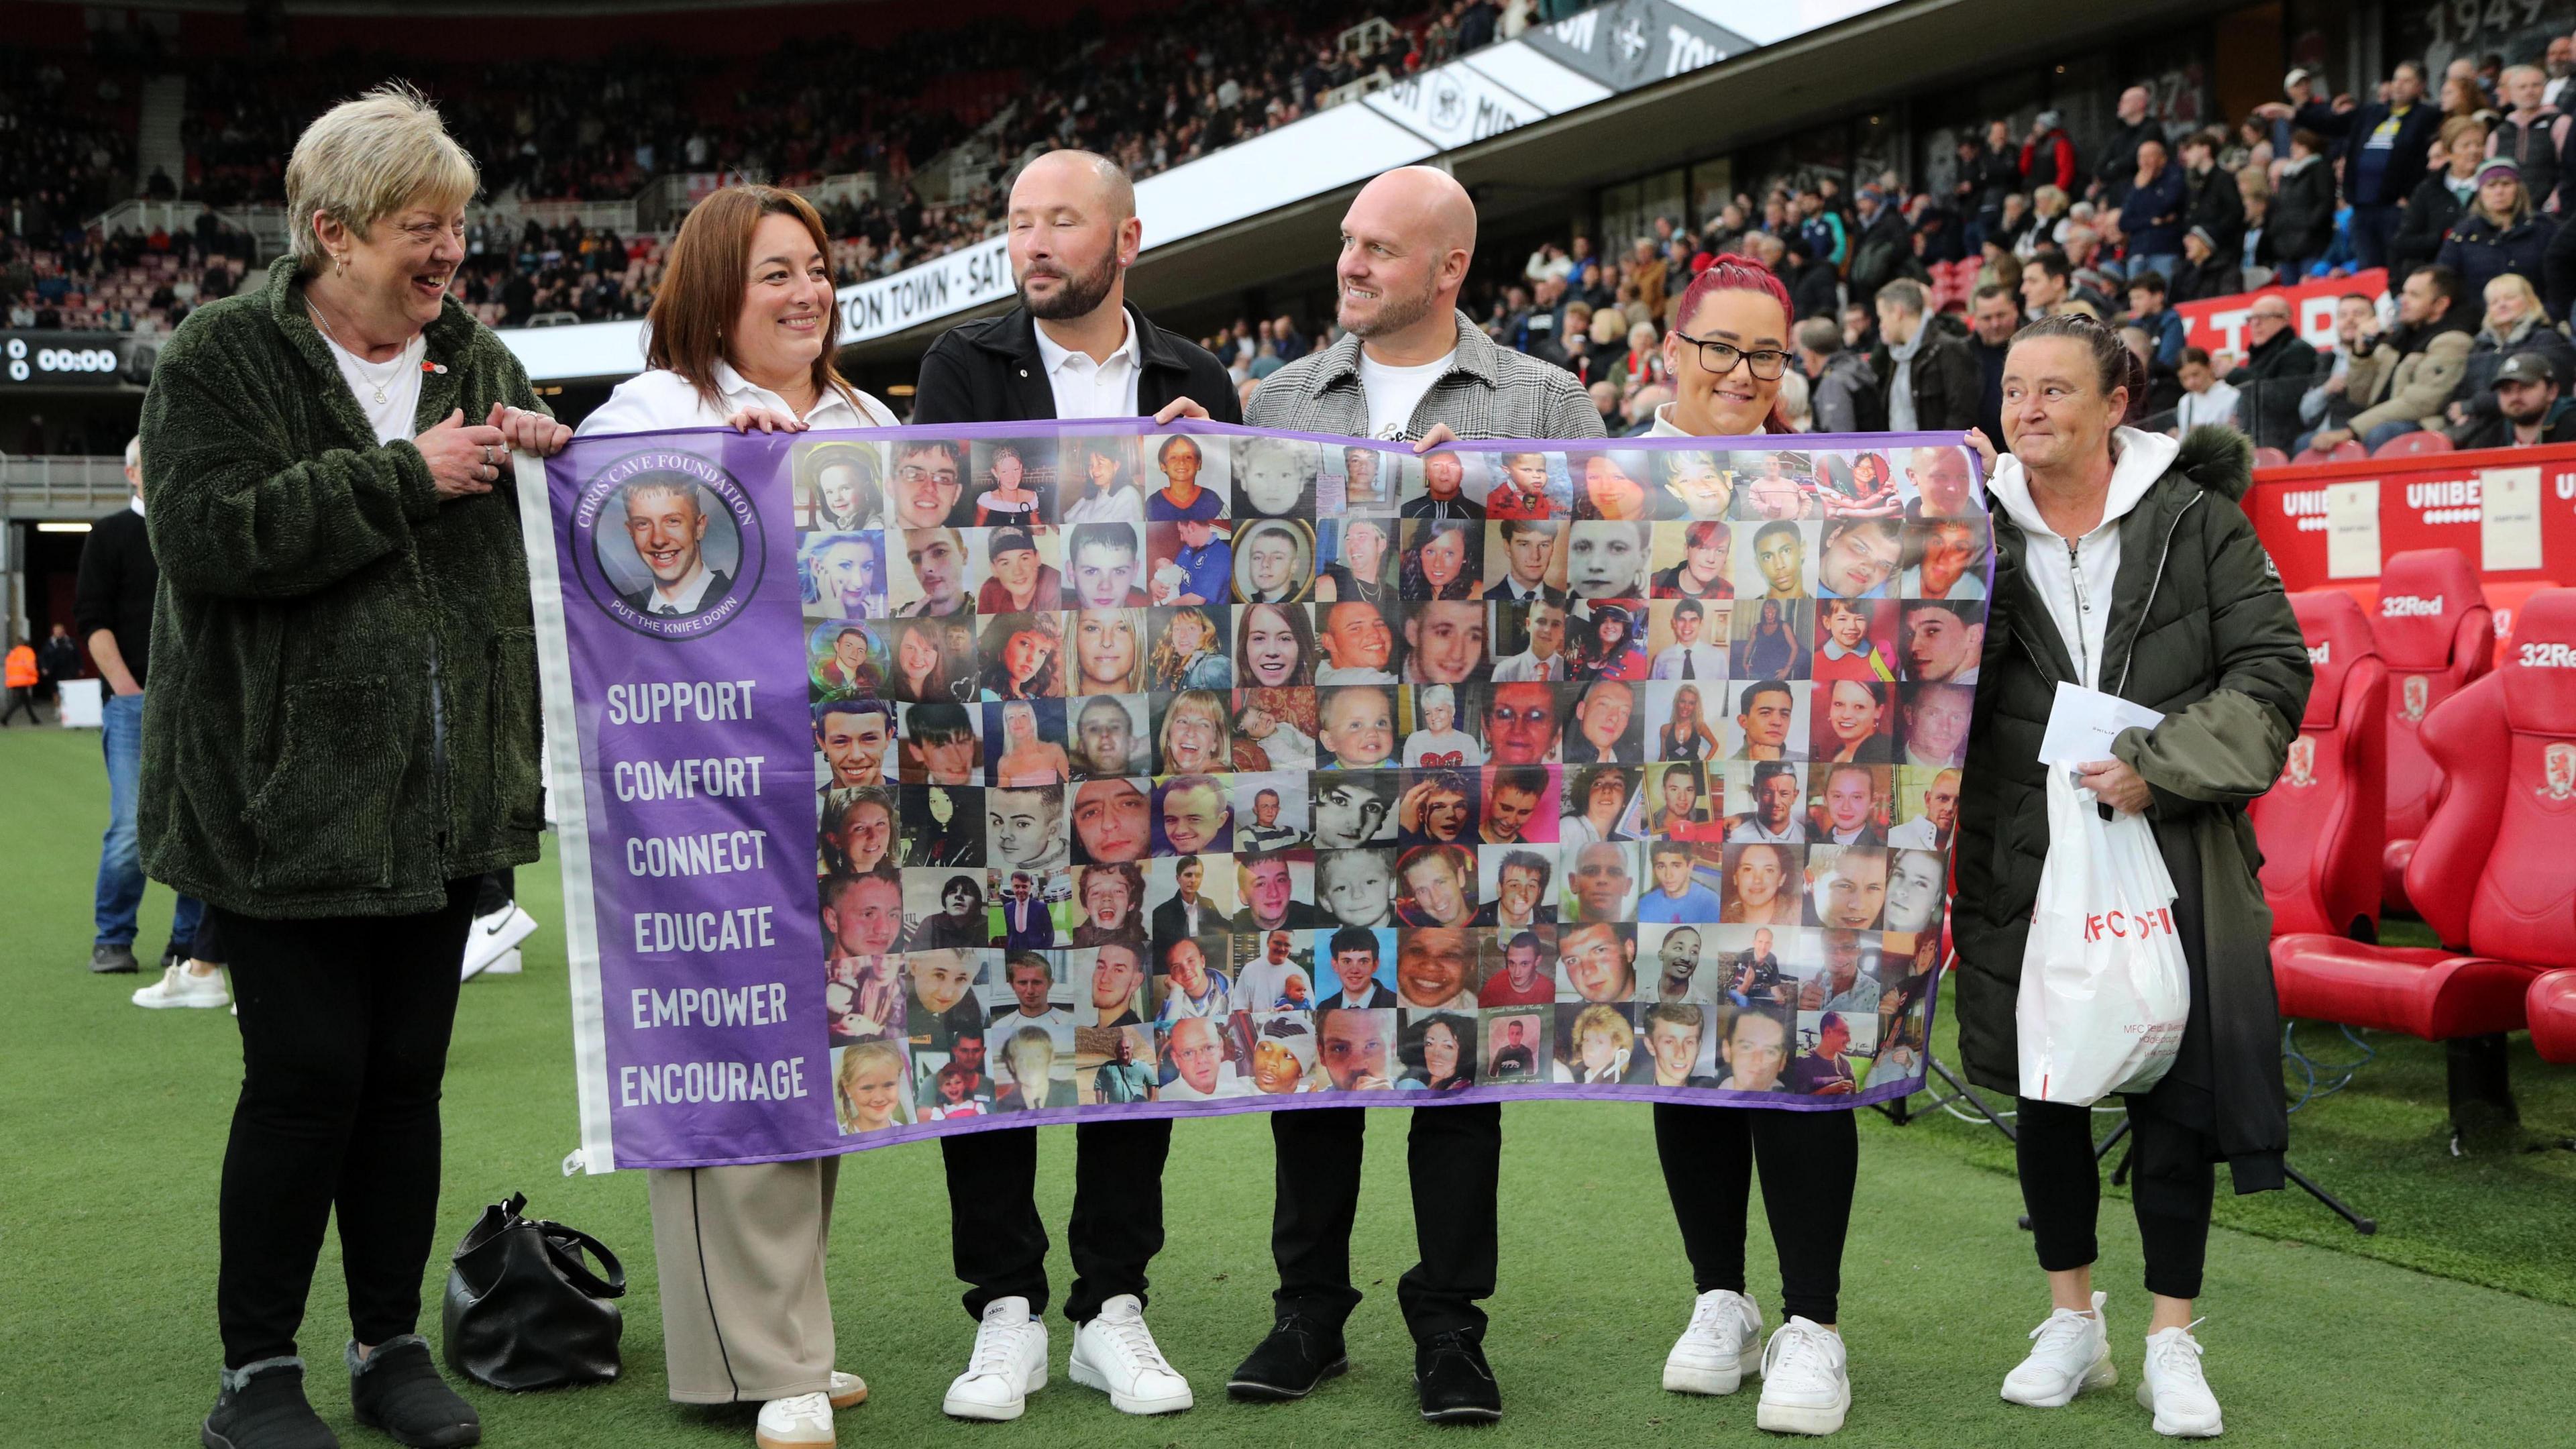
{"x": 380, "y": 395}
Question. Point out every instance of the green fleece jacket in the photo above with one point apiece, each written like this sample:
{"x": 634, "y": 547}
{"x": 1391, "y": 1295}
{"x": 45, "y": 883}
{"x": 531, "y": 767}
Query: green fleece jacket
{"x": 2199, "y": 630}
{"x": 343, "y": 712}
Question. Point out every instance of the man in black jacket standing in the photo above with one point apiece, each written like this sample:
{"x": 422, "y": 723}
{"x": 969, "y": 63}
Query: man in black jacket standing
{"x": 112, "y": 608}
{"x": 1073, "y": 348}
{"x": 2384, "y": 148}
{"x": 1073, "y": 338}
{"x": 1927, "y": 379}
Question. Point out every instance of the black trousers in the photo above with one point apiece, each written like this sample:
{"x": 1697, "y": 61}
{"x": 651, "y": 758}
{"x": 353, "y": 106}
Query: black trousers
{"x": 2171, "y": 1178}
{"x": 1000, "y": 1243}
{"x": 1454, "y": 1157}
{"x": 344, "y": 1026}
{"x": 1810, "y": 1164}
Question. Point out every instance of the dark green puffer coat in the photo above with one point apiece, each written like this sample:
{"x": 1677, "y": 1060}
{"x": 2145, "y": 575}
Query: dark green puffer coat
{"x": 343, "y": 711}
{"x": 2200, "y": 630}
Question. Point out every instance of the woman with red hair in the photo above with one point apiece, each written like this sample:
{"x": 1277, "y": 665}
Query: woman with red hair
{"x": 1727, "y": 351}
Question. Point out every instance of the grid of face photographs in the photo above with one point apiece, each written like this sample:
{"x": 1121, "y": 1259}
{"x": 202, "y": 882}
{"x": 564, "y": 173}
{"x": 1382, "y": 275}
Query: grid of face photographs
{"x": 1188, "y": 766}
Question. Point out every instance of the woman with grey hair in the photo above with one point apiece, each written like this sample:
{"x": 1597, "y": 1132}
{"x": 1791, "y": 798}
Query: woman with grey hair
{"x": 350, "y": 738}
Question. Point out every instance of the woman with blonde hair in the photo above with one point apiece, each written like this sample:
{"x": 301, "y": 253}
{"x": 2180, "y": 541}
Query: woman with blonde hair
{"x": 1186, "y": 657}
{"x": 2515, "y": 322}
{"x": 867, "y": 1091}
{"x": 1108, "y": 651}
{"x": 1598, "y": 1044}
{"x": 742, "y": 335}
{"x": 1687, "y": 735}
{"x": 1195, "y": 737}
{"x": 340, "y": 552}
{"x": 2500, "y": 235}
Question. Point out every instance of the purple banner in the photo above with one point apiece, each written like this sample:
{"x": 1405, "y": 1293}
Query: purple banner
{"x": 921, "y": 781}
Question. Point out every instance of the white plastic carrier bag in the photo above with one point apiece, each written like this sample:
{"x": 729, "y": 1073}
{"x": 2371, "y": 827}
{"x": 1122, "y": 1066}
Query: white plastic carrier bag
{"x": 2104, "y": 988}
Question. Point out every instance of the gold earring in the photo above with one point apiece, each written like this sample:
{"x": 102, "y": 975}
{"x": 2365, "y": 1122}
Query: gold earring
{"x": 342, "y": 259}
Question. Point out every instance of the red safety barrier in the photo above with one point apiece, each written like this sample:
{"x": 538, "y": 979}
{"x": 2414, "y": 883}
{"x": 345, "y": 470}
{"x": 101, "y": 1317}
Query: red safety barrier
{"x": 2219, "y": 323}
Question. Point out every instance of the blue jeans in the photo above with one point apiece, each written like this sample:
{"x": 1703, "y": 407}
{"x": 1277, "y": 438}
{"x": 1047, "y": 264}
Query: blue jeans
{"x": 2387, "y": 431}
{"x": 120, "y": 858}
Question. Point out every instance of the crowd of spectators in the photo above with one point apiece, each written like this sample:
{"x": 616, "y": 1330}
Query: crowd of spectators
{"x": 2459, "y": 200}
{"x": 1161, "y": 90}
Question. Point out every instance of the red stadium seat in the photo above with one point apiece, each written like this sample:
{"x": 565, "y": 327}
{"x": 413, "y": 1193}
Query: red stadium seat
{"x": 2489, "y": 873}
{"x": 2551, "y": 1005}
{"x": 2323, "y": 824}
{"x": 2349, "y": 450}
{"x": 2407, "y": 445}
{"x": 2437, "y": 636}
{"x": 2270, "y": 458}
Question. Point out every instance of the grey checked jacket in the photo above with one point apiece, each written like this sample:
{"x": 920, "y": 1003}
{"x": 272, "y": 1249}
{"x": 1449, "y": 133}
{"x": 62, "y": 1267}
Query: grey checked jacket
{"x": 1489, "y": 391}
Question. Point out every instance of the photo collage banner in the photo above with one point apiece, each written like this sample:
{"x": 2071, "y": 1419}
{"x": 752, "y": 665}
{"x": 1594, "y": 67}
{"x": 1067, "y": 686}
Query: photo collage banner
{"x": 916, "y": 781}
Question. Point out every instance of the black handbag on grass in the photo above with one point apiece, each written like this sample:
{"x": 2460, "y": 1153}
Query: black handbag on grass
{"x": 524, "y": 1311}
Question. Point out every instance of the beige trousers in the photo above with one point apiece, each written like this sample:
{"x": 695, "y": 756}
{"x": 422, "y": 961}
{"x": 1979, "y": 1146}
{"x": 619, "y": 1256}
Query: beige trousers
{"x": 745, "y": 1318}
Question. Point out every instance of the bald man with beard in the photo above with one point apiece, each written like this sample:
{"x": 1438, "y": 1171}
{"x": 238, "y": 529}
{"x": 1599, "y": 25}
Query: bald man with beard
{"x": 1072, "y": 348}
{"x": 1409, "y": 366}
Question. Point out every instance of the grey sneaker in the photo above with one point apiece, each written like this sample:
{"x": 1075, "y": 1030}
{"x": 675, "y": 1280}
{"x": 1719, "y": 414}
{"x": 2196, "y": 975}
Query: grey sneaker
{"x": 112, "y": 960}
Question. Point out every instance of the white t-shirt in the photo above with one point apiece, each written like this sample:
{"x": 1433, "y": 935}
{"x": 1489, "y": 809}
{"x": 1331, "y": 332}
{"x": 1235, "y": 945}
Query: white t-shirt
{"x": 399, "y": 380}
{"x": 1393, "y": 392}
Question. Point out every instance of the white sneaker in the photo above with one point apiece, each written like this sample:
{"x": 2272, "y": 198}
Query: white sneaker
{"x": 2068, "y": 1354}
{"x": 506, "y": 964}
{"x": 1009, "y": 1364}
{"x": 180, "y": 987}
{"x": 798, "y": 1423}
{"x": 1721, "y": 1346}
{"x": 494, "y": 934}
{"x": 2172, "y": 1386}
{"x": 848, "y": 1390}
{"x": 1115, "y": 1354}
{"x": 1806, "y": 1384}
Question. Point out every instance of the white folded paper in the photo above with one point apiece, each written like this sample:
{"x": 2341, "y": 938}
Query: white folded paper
{"x": 2083, "y": 722}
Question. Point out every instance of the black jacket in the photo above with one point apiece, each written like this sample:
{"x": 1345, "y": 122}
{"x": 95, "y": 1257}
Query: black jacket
{"x": 2272, "y": 379}
{"x": 2430, "y": 214}
{"x": 2481, "y": 251}
{"x": 2493, "y": 431}
{"x": 2117, "y": 167}
{"x": 2487, "y": 356}
{"x": 2199, "y": 629}
{"x": 2300, "y": 225}
{"x": 1946, "y": 382}
{"x": 114, "y": 589}
{"x": 2406, "y": 159}
{"x": 990, "y": 372}
{"x": 2215, "y": 203}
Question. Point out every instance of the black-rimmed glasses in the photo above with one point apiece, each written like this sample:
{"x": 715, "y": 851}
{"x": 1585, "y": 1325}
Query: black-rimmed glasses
{"x": 1720, "y": 357}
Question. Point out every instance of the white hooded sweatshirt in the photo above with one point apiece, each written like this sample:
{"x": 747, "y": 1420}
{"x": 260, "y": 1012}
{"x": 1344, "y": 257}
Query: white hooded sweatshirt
{"x": 2075, "y": 577}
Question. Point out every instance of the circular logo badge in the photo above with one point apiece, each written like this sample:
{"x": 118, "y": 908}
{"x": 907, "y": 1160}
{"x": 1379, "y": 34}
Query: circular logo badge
{"x": 668, "y": 544}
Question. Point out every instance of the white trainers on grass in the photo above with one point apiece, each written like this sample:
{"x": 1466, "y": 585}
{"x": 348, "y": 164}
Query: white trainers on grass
{"x": 1008, "y": 1365}
{"x": 1806, "y": 1383}
{"x": 180, "y": 987}
{"x": 1721, "y": 1346}
{"x": 848, "y": 1391}
{"x": 1116, "y": 1354}
{"x": 2069, "y": 1353}
{"x": 495, "y": 936}
{"x": 2173, "y": 1386}
{"x": 803, "y": 1422}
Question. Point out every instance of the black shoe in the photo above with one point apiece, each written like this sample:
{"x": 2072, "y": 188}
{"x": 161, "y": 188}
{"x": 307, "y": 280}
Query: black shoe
{"x": 112, "y": 960}
{"x": 399, "y": 1391}
{"x": 266, "y": 1410}
{"x": 1456, "y": 1384}
{"x": 1299, "y": 1355}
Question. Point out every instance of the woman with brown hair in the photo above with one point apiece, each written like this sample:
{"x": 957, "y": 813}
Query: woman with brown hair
{"x": 742, "y": 335}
